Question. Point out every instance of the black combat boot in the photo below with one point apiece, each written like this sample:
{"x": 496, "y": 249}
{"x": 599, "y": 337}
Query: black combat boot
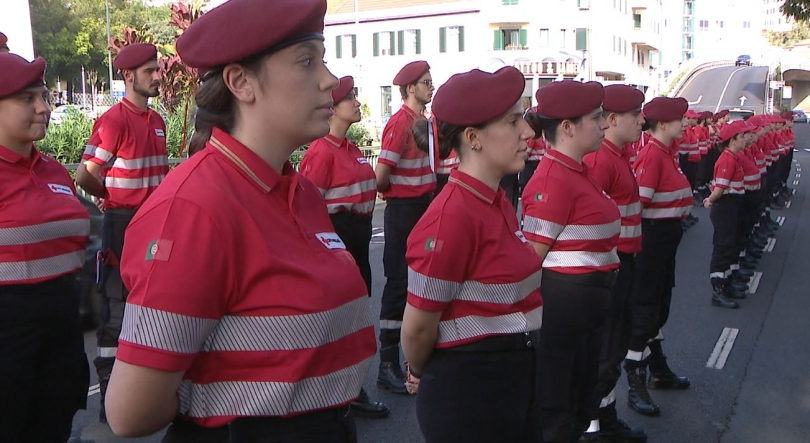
{"x": 638, "y": 398}
{"x": 391, "y": 377}
{"x": 661, "y": 377}
{"x": 364, "y": 407}
{"x": 731, "y": 292}
{"x": 614, "y": 430}
{"x": 719, "y": 297}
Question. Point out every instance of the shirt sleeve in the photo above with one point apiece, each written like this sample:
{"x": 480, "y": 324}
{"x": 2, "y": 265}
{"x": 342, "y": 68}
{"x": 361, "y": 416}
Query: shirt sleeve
{"x": 601, "y": 172}
{"x": 104, "y": 142}
{"x": 179, "y": 281}
{"x": 723, "y": 173}
{"x": 317, "y": 166}
{"x": 439, "y": 250}
{"x": 394, "y": 140}
{"x": 547, "y": 209}
{"x": 648, "y": 173}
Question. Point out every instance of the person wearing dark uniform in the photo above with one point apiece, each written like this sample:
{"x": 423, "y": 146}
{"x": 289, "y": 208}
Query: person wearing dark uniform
{"x": 471, "y": 326}
{"x": 575, "y": 226}
{"x": 348, "y": 185}
{"x": 753, "y": 242}
{"x": 610, "y": 169}
{"x": 247, "y": 318}
{"x": 124, "y": 162}
{"x": 406, "y": 179}
{"x": 726, "y": 204}
{"x": 44, "y": 229}
{"x": 666, "y": 199}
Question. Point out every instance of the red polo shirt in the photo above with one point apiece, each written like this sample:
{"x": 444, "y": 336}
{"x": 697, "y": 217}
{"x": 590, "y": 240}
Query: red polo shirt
{"x": 663, "y": 189}
{"x": 753, "y": 179}
{"x": 564, "y": 208}
{"x": 130, "y": 145}
{"x": 43, "y": 227}
{"x": 342, "y": 174}
{"x": 411, "y": 175}
{"x": 238, "y": 279}
{"x": 449, "y": 164}
{"x": 479, "y": 272}
{"x": 612, "y": 172}
{"x": 728, "y": 173}
{"x": 536, "y": 148}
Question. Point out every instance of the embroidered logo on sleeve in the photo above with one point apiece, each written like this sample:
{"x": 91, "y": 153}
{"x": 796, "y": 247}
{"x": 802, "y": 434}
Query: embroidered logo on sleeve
{"x": 362, "y": 160}
{"x": 159, "y": 133}
{"x": 159, "y": 249}
{"x": 541, "y": 197}
{"x": 434, "y": 245}
{"x": 60, "y": 189}
{"x": 331, "y": 240}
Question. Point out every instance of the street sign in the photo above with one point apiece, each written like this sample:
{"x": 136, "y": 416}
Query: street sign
{"x": 787, "y": 92}
{"x": 777, "y": 84}
{"x": 118, "y": 88}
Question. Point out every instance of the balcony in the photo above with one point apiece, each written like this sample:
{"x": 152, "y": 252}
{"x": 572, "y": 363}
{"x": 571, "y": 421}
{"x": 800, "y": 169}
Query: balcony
{"x": 645, "y": 39}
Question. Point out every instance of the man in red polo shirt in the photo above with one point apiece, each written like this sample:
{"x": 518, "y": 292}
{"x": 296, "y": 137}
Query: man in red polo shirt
{"x": 406, "y": 180}
{"x": 124, "y": 162}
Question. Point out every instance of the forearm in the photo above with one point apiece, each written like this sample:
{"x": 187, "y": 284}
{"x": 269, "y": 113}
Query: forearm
{"x": 141, "y": 401}
{"x": 716, "y": 194}
{"x": 418, "y": 341}
{"x": 91, "y": 182}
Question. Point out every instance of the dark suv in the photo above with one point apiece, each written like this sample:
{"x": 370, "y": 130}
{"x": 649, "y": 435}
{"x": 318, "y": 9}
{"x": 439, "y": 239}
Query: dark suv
{"x": 90, "y": 301}
{"x": 743, "y": 60}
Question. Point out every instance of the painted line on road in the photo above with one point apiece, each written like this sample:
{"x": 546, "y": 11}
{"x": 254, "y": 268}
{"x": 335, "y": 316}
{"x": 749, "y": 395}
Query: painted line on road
{"x": 771, "y": 243}
{"x": 787, "y": 205}
{"x": 797, "y": 175}
{"x": 725, "y": 88}
{"x": 95, "y": 389}
{"x": 723, "y": 348}
{"x": 780, "y": 220}
{"x": 795, "y": 182}
{"x": 753, "y": 285}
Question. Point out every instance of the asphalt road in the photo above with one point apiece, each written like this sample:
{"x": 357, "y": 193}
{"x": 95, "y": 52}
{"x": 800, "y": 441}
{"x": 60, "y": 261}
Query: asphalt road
{"x": 721, "y": 88}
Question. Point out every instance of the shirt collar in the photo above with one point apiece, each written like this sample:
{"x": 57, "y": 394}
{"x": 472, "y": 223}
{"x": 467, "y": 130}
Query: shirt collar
{"x": 337, "y": 142}
{"x": 729, "y": 153}
{"x": 251, "y": 164}
{"x": 474, "y": 186}
{"x": 659, "y": 144}
{"x": 411, "y": 113}
{"x": 612, "y": 147}
{"x": 132, "y": 107}
{"x": 13, "y": 157}
{"x": 565, "y": 160}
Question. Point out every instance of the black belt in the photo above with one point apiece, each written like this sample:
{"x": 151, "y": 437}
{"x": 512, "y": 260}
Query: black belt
{"x": 497, "y": 343}
{"x": 659, "y": 221}
{"x": 121, "y": 211}
{"x": 600, "y": 279}
{"x": 421, "y": 200}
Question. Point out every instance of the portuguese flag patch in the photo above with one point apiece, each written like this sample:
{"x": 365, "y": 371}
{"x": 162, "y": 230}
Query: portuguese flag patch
{"x": 434, "y": 245}
{"x": 159, "y": 249}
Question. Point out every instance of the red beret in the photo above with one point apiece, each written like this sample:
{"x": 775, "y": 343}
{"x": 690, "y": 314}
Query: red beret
{"x": 665, "y": 109}
{"x": 3, "y": 39}
{"x": 729, "y": 130}
{"x": 239, "y": 29}
{"x": 16, "y": 73}
{"x": 706, "y": 114}
{"x": 787, "y": 115}
{"x": 744, "y": 124}
{"x": 411, "y": 72}
{"x": 690, "y": 113}
{"x": 755, "y": 120}
{"x": 722, "y": 113}
{"x": 343, "y": 89}
{"x": 568, "y": 99}
{"x": 495, "y": 94}
{"x": 622, "y": 98}
{"x": 134, "y": 55}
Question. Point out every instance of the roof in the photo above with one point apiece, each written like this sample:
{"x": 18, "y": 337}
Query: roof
{"x": 347, "y": 6}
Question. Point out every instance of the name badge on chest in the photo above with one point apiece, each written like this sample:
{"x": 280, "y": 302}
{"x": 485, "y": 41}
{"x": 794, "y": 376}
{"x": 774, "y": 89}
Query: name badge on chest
{"x": 362, "y": 160}
{"x": 519, "y": 234}
{"x": 60, "y": 189}
{"x": 331, "y": 240}
{"x": 159, "y": 133}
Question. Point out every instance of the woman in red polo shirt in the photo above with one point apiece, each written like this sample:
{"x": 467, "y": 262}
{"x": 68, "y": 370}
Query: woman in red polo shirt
{"x": 574, "y": 226}
{"x": 470, "y": 329}
{"x": 43, "y": 234}
{"x": 348, "y": 185}
{"x": 247, "y": 320}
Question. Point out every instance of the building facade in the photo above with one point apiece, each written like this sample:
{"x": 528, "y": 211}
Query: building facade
{"x": 773, "y": 19}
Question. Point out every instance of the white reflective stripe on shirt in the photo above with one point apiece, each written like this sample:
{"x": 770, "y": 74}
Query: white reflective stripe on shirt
{"x": 463, "y": 328}
{"x": 41, "y": 268}
{"x": 543, "y": 228}
{"x": 140, "y": 163}
{"x": 750, "y": 178}
{"x": 755, "y": 187}
{"x": 444, "y": 291}
{"x": 99, "y": 153}
{"x": 722, "y": 182}
{"x": 413, "y": 163}
{"x": 26, "y": 235}
{"x": 646, "y": 192}
{"x": 590, "y": 232}
{"x": 133, "y": 183}
{"x": 265, "y": 398}
{"x": 360, "y": 208}
{"x": 575, "y": 259}
{"x": 679, "y": 212}
{"x": 412, "y": 181}
{"x": 351, "y": 190}
{"x": 630, "y": 231}
{"x": 665, "y": 197}
{"x": 630, "y": 210}
{"x": 390, "y": 156}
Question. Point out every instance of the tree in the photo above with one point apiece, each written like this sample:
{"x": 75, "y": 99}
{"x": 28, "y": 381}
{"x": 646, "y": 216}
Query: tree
{"x": 799, "y": 32}
{"x": 798, "y": 10}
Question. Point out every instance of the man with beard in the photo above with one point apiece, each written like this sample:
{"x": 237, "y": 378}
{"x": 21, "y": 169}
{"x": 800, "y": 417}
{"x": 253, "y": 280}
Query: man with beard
{"x": 124, "y": 162}
{"x": 406, "y": 180}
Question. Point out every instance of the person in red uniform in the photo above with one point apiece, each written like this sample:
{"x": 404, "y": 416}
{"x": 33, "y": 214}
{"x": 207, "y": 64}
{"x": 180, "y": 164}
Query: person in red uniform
{"x": 611, "y": 170}
{"x": 446, "y": 166}
{"x": 124, "y": 162}
{"x": 666, "y": 199}
{"x": 471, "y": 326}
{"x": 348, "y": 185}
{"x": 4, "y": 44}
{"x": 706, "y": 166}
{"x": 536, "y": 150}
{"x": 44, "y": 228}
{"x": 574, "y": 226}
{"x": 726, "y": 204}
{"x": 247, "y": 318}
{"x": 406, "y": 179}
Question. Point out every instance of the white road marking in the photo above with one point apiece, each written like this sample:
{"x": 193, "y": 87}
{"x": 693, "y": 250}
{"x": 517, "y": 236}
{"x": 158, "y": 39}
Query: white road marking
{"x": 754, "y": 283}
{"x": 795, "y": 182}
{"x": 95, "y": 389}
{"x": 771, "y": 243}
{"x": 696, "y": 101}
{"x": 787, "y": 205}
{"x": 797, "y": 175}
{"x": 780, "y": 220}
{"x": 723, "y": 348}
{"x": 725, "y": 88}
{"x": 806, "y": 149}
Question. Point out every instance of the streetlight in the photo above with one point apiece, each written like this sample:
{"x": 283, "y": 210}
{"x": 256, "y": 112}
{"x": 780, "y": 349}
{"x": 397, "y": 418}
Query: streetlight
{"x": 109, "y": 53}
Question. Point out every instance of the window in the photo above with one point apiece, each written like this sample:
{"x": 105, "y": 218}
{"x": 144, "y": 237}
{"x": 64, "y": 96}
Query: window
{"x": 688, "y": 8}
{"x": 561, "y": 38}
{"x": 704, "y": 25}
{"x": 385, "y": 103}
{"x": 509, "y": 2}
{"x": 583, "y": 4}
{"x": 451, "y": 39}
{"x": 409, "y": 42}
{"x": 614, "y": 43}
{"x": 384, "y": 43}
{"x": 747, "y": 25}
{"x": 719, "y": 23}
{"x": 544, "y": 39}
{"x": 510, "y": 38}
{"x": 346, "y": 46}
{"x": 637, "y": 21}
{"x": 667, "y": 23}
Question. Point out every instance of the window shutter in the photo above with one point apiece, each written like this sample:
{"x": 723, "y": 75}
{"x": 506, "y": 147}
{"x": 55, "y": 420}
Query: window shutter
{"x": 523, "y": 37}
{"x": 460, "y": 39}
{"x": 339, "y": 46}
{"x": 393, "y": 43}
{"x": 354, "y": 46}
{"x": 418, "y": 41}
{"x": 376, "y": 44}
{"x": 400, "y": 42}
{"x": 442, "y": 40}
{"x": 498, "y": 45}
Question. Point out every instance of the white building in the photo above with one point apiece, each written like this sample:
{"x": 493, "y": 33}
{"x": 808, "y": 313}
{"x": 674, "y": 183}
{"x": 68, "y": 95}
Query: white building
{"x": 15, "y": 22}
{"x": 773, "y": 19}
{"x": 372, "y": 39}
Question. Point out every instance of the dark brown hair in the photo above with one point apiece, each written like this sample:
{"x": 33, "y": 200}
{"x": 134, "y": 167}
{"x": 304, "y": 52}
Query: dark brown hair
{"x": 546, "y": 127}
{"x": 449, "y": 136}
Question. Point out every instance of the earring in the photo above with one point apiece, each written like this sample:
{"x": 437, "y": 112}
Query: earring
{"x": 476, "y": 148}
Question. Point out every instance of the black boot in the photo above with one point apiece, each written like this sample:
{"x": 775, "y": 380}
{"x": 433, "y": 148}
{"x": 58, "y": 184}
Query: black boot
{"x": 638, "y": 398}
{"x": 102, "y": 412}
{"x": 364, "y": 407}
{"x": 661, "y": 377}
{"x": 391, "y": 377}
{"x": 746, "y": 272}
{"x": 753, "y": 253}
{"x": 733, "y": 292}
{"x": 590, "y": 437}
{"x": 738, "y": 287}
{"x": 719, "y": 297}
{"x": 613, "y": 430}
{"x": 738, "y": 278}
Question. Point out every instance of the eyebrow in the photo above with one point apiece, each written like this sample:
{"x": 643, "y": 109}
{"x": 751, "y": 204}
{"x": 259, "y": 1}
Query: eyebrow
{"x": 308, "y": 45}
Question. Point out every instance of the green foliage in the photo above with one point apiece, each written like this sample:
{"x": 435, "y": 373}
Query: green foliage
{"x": 359, "y": 135}
{"x": 799, "y": 32}
{"x": 365, "y": 111}
{"x": 174, "y": 131}
{"x": 798, "y": 10}
{"x": 66, "y": 141}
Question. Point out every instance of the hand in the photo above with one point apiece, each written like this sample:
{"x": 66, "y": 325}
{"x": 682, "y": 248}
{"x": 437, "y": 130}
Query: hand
{"x": 707, "y": 203}
{"x": 411, "y": 383}
{"x": 99, "y": 203}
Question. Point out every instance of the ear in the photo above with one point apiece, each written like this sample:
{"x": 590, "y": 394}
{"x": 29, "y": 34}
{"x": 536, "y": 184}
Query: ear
{"x": 567, "y": 127}
{"x": 470, "y": 137}
{"x": 613, "y": 119}
{"x": 129, "y": 75}
{"x": 239, "y": 83}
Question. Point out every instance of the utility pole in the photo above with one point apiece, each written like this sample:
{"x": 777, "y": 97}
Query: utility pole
{"x": 109, "y": 52}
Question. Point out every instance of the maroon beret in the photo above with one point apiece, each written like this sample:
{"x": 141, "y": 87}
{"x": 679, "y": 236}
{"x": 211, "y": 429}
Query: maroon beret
{"x": 787, "y": 115}
{"x": 239, "y": 29}
{"x": 722, "y": 113}
{"x": 495, "y": 94}
{"x": 622, "y": 98}
{"x": 3, "y": 39}
{"x": 690, "y": 113}
{"x": 568, "y": 99}
{"x": 666, "y": 109}
{"x": 729, "y": 130}
{"x": 16, "y": 73}
{"x": 343, "y": 89}
{"x": 134, "y": 55}
{"x": 755, "y": 120}
{"x": 411, "y": 72}
{"x": 706, "y": 114}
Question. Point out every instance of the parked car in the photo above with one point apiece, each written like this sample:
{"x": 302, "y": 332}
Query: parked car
{"x": 740, "y": 114}
{"x": 90, "y": 299}
{"x": 59, "y": 114}
{"x": 743, "y": 60}
{"x": 799, "y": 116}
